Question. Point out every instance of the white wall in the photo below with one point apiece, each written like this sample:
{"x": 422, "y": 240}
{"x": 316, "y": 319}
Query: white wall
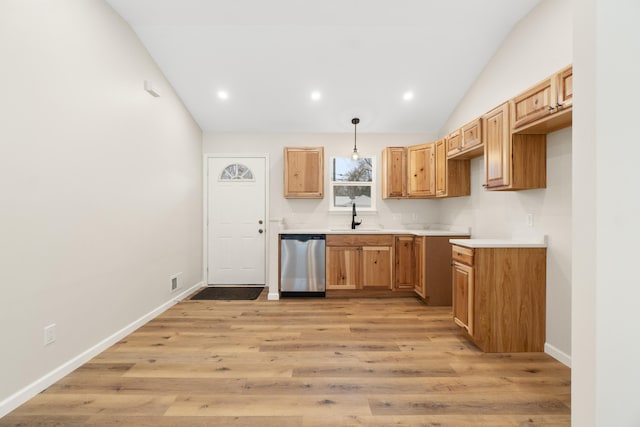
{"x": 531, "y": 52}
{"x": 315, "y": 213}
{"x": 606, "y": 211}
{"x": 100, "y": 184}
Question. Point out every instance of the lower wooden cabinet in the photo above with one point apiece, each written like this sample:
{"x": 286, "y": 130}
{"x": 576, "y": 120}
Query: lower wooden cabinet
{"x": 376, "y": 267}
{"x": 342, "y": 267}
{"x": 499, "y": 297}
{"x": 404, "y": 263}
{"x": 359, "y": 261}
{"x": 462, "y": 279}
{"x": 432, "y": 270}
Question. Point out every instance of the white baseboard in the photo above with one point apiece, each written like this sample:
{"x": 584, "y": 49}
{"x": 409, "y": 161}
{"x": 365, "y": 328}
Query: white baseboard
{"x": 559, "y": 355}
{"x": 273, "y": 296}
{"x": 21, "y": 396}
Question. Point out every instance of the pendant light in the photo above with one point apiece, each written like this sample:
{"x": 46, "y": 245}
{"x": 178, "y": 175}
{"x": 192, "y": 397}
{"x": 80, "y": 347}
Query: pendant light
{"x": 355, "y": 122}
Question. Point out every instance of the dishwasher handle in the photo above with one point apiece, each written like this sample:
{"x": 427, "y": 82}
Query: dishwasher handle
{"x": 303, "y": 237}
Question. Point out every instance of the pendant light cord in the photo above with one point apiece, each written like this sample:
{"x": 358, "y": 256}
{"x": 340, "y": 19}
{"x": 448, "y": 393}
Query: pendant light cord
{"x": 355, "y": 122}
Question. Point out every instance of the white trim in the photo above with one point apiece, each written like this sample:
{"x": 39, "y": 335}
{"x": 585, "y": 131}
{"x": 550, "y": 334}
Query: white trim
{"x": 23, "y": 395}
{"x": 205, "y": 206}
{"x": 274, "y": 266}
{"x": 557, "y": 354}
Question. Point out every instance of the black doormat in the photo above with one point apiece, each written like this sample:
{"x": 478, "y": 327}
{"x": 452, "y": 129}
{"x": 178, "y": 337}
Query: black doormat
{"x": 228, "y": 293}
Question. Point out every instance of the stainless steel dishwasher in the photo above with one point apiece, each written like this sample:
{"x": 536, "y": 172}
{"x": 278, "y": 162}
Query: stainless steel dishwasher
{"x": 302, "y": 265}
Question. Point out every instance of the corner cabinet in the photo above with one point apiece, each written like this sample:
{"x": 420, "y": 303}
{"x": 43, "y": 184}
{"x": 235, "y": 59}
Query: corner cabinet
{"x": 432, "y": 269}
{"x": 394, "y": 173}
{"x": 499, "y": 297}
{"x": 304, "y": 172}
{"x": 512, "y": 161}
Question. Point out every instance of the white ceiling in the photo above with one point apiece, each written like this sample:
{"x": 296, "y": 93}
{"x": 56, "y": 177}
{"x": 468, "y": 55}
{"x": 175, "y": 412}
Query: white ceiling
{"x": 362, "y": 55}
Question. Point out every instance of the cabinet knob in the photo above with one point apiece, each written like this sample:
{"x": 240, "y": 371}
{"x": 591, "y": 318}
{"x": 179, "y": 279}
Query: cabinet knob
{"x": 551, "y": 107}
{"x": 558, "y": 105}
{"x": 260, "y": 231}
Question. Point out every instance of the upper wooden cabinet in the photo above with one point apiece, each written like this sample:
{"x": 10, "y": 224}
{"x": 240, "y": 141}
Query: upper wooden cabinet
{"x": 545, "y": 107}
{"x": 565, "y": 85}
{"x": 304, "y": 172}
{"x": 394, "y": 173}
{"x": 453, "y": 177}
{"x": 454, "y": 143}
{"x": 440, "y": 148}
{"x": 466, "y": 142}
{"x": 497, "y": 149}
{"x": 512, "y": 161}
{"x": 423, "y": 171}
{"x": 421, "y": 164}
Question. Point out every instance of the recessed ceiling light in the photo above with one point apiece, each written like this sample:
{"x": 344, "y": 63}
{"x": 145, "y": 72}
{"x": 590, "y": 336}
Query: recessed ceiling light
{"x": 316, "y": 95}
{"x": 408, "y": 96}
{"x": 223, "y": 94}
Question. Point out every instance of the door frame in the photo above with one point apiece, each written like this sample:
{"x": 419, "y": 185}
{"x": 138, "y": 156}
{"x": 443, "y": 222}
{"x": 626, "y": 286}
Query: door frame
{"x": 205, "y": 210}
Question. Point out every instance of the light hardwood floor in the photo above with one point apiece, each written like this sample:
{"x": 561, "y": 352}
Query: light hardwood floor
{"x": 304, "y": 362}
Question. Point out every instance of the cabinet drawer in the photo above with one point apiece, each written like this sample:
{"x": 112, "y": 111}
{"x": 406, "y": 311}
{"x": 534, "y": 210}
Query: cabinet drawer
{"x": 463, "y": 255}
{"x": 359, "y": 240}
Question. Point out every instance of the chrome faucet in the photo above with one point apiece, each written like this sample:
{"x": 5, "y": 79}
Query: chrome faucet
{"x": 354, "y": 224}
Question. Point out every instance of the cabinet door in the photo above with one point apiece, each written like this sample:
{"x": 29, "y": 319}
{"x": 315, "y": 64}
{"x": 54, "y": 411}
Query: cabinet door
{"x": 304, "y": 172}
{"x": 534, "y": 104}
{"x": 342, "y": 267}
{"x": 471, "y": 135}
{"x": 463, "y": 296}
{"x": 394, "y": 172}
{"x": 565, "y": 88}
{"x": 497, "y": 148}
{"x": 420, "y": 282}
{"x": 377, "y": 267}
{"x": 454, "y": 142}
{"x": 441, "y": 168}
{"x": 421, "y": 171}
{"x": 404, "y": 270}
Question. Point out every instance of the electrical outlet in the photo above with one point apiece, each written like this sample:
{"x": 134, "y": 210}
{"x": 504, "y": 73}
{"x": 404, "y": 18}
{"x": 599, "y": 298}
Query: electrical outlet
{"x": 530, "y": 220}
{"x": 49, "y": 334}
{"x": 175, "y": 281}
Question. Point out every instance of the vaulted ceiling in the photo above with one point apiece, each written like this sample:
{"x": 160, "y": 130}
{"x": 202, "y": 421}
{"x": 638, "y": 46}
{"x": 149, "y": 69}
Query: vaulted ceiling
{"x": 362, "y": 57}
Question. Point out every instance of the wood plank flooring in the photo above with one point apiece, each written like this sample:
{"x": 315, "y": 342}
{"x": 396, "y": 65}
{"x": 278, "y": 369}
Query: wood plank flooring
{"x": 304, "y": 362}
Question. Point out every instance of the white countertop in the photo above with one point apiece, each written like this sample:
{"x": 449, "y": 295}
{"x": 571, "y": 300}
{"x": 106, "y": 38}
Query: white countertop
{"x": 415, "y": 232}
{"x": 499, "y": 243}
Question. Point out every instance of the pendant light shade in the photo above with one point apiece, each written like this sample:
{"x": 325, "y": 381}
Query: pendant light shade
{"x": 355, "y": 122}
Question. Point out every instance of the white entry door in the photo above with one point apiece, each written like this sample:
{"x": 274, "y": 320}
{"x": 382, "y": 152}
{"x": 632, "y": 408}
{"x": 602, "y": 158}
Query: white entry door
{"x": 236, "y": 218}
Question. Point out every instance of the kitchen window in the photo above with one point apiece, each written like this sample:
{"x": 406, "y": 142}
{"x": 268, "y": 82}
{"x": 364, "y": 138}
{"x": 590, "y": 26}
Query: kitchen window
{"x": 352, "y": 181}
